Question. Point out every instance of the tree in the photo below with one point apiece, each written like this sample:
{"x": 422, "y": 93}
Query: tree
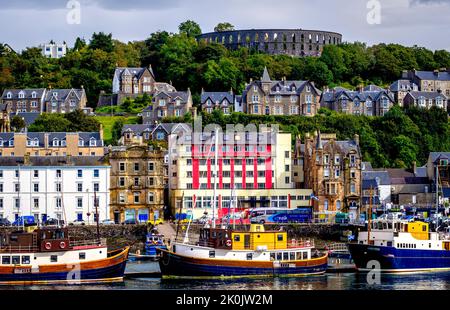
{"x": 80, "y": 122}
{"x": 116, "y": 130}
{"x": 48, "y": 122}
{"x": 190, "y": 28}
{"x": 102, "y": 42}
{"x": 221, "y": 27}
{"x": 18, "y": 123}
{"x": 79, "y": 44}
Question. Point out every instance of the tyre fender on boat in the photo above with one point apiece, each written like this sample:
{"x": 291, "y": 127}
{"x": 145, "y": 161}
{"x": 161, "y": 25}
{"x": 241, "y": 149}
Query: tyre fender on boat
{"x": 48, "y": 245}
{"x": 62, "y": 245}
{"x": 228, "y": 243}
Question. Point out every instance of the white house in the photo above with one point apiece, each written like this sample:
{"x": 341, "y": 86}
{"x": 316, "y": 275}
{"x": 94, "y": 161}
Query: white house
{"x": 54, "y": 187}
{"x": 53, "y": 50}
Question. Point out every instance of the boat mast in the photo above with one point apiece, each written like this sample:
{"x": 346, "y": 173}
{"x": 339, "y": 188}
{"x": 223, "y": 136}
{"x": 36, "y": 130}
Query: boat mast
{"x": 216, "y": 155}
{"x": 369, "y": 223}
{"x": 437, "y": 194}
{"x": 96, "y": 215}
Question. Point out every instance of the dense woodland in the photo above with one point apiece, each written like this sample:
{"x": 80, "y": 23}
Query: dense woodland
{"x": 395, "y": 140}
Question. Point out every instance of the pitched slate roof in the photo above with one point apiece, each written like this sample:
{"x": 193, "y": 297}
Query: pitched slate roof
{"x": 183, "y": 95}
{"x": 62, "y": 94}
{"x": 403, "y": 85}
{"x": 28, "y": 117}
{"x": 426, "y": 94}
{"x": 134, "y": 72}
{"x": 164, "y": 87}
{"x": 435, "y": 155}
{"x": 137, "y": 129}
{"x": 430, "y": 75}
{"x": 216, "y": 97}
{"x": 369, "y": 183}
{"x": 380, "y": 176}
{"x": 52, "y": 161}
{"x": 402, "y": 176}
{"x": 27, "y": 93}
{"x": 332, "y": 96}
{"x": 40, "y": 136}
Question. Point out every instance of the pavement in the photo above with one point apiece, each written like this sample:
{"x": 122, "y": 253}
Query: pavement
{"x": 167, "y": 230}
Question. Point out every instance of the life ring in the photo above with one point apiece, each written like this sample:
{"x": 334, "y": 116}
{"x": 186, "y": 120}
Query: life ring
{"x": 48, "y": 245}
{"x": 228, "y": 243}
{"x": 62, "y": 244}
{"x": 308, "y": 243}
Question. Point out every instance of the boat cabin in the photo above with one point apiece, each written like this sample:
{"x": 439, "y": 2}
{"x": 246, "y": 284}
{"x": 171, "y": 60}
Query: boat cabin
{"x": 258, "y": 239}
{"x": 217, "y": 238}
{"x": 38, "y": 240}
{"x": 418, "y": 230}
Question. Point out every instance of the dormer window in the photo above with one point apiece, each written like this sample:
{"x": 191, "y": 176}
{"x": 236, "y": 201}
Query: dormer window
{"x": 278, "y": 89}
{"x": 21, "y": 95}
{"x": 422, "y": 101}
{"x": 55, "y": 94}
{"x": 9, "y": 95}
{"x": 1, "y": 142}
{"x": 178, "y": 102}
{"x": 92, "y": 142}
{"x": 33, "y": 94}
{"x": 11, "y": 142}
{"x": 439, "y": 102}
{"x": 208, "y": 102}
{"x": 81, "y": 142}
{"x": 55, "y": 142}
{"x": 293, "y": 88}
{"x": 63, "y": 143}
{"x": 34, "y": 142}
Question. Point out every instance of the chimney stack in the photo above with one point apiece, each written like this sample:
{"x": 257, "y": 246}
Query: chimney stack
{"x": 356, "y": 139}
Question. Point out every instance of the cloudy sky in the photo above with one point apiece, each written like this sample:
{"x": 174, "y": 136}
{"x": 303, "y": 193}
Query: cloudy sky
{"x": 425, "y": 23}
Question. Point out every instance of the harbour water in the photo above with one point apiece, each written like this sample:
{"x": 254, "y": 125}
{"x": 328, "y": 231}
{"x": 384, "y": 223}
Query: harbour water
{"x": 346, "y": 281}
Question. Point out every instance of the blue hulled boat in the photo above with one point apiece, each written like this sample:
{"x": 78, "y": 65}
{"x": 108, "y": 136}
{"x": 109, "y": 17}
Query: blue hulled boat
{"x": 401, "y": 246}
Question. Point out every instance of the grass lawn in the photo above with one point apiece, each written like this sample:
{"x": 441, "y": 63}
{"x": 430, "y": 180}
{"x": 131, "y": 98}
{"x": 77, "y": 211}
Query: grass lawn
{"x": 108, "y": 122}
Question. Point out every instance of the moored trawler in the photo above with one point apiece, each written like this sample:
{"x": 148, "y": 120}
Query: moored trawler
{"x": 228, "y": 253}
{"x": 49, "y": 256}
{"x": 401, "y": 246}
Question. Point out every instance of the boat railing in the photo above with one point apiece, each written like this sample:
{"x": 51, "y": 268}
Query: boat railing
{"x": 302, "y": 243}
{"x": 19, "y": 249}
{"x": 95, "y": 242}
{"x": 341, "y": 247}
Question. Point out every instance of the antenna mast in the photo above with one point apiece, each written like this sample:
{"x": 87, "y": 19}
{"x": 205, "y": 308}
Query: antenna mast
{"x": 216, "y": 155}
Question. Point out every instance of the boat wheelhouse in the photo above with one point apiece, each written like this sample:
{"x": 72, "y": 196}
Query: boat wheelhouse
{"x": 229, "y": 253}
{"x": 401, "y": 246}
{"x": 49, "y": 256}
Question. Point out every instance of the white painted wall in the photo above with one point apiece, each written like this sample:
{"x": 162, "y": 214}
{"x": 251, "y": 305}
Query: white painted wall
{"x": 47, "y": 194}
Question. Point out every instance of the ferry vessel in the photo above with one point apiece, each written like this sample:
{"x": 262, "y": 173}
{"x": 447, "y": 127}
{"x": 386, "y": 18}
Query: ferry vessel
{"x": 223, "y": 252}
{"x": 48, "y": 256}
{"x": 401, "y": 246}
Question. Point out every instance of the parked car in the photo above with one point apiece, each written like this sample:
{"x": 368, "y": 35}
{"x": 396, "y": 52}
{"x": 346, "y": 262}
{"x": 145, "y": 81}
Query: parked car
{"x": 130, "y": 222}
{"x": 78, "y": 223}
{"x": 107, "y": 222}
{"x": 4, "y": 222}
{"x": 158, "y": 221}
{"x": 26, "y": 220}
{"x": 53, "y": 222}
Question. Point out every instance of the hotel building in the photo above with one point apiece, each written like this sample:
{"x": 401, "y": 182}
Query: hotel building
{"x": 254, "y": 168}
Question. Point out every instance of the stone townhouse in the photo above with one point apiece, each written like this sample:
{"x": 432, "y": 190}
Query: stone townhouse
{"x": 223, "y": 101}
{"x": 401, "y": 88}
{"x": 268, "y": 97}
{"x": 167, "y": 104}
{"x": 137, "y": 183}
{"x": 425, "y": 99}
{"x": 430, "y": 81}
{"x": 143, "y": 134}
{"x": 65, "y": 100}
{"x": 24, "y": 100}
{"x": 371, "y": 101}
{"x": 131, "y": 81}
{"x": 332, "y": 169}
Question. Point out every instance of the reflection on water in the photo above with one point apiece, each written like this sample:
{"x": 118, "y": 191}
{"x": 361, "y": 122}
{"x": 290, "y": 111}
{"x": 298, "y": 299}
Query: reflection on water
{"x": 349, "y": 281}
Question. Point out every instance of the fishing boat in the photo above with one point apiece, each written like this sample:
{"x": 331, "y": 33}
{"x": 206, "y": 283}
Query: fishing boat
{"x": 47, "y": 255}
{"x": 222, "y": 252}
{"x": 401, "y": 246}
{"x": 153, "y": 242}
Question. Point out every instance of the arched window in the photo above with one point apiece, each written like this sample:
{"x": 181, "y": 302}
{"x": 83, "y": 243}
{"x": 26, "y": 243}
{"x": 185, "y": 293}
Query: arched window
{"x": 325, "y": 204}
{"x": 338, "y": 205}
{"x": 275, "y": 36}
{"x": 266, "y": 37}
{"x": 293, "y": 37}
{"x": 257, "y": 38}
